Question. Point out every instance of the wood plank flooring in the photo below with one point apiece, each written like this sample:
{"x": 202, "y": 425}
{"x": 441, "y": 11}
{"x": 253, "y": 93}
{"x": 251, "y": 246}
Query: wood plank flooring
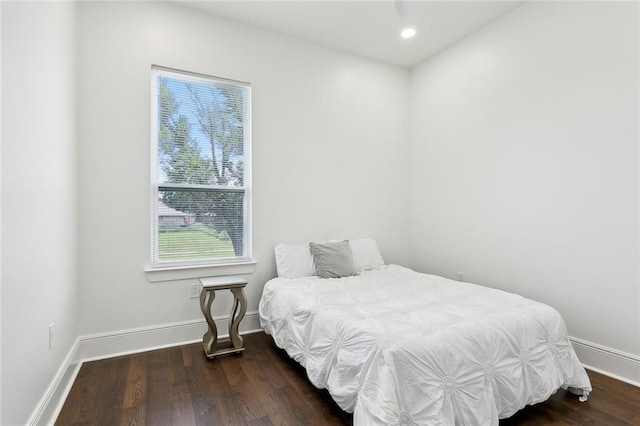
{"x": 262, "y": 386}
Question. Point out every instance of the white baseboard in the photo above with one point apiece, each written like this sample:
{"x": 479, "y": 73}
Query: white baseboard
{"x": 51, "y": 403}
{"x": 620, "y": 365}
{"x": 108, "y": 345}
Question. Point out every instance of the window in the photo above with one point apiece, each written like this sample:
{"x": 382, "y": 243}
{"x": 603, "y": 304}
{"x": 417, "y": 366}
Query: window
{"x": 201, "y": 135}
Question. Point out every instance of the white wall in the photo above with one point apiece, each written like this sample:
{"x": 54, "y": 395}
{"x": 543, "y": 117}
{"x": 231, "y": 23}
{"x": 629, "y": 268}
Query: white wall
{"x": 0, "y": 215}
{"x": 330, "y": 140}
{"x": 525, "y": 163}
{"x": 39, "y": 222}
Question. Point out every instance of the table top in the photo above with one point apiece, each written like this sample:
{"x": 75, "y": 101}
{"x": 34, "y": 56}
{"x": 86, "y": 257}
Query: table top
{"x": 223, "y": 282}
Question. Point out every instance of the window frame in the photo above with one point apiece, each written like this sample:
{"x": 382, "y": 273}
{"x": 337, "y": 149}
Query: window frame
{"x": 190, "y": 266}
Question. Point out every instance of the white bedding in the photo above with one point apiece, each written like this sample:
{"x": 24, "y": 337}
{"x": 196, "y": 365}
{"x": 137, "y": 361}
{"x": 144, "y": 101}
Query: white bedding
{"x": 398, "y": 347}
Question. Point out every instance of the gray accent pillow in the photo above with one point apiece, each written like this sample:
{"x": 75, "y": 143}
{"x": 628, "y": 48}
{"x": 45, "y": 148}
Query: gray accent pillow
{"x": 333, "y": 260}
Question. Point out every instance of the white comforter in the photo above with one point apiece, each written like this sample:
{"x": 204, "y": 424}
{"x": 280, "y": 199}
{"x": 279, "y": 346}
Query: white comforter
{"x": 398, "y": 347}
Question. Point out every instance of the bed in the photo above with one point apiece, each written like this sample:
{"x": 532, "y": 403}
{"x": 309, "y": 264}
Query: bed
{"x": 398, "y": 347}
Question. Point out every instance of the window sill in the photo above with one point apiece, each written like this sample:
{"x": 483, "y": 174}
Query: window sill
{"x": 176, "y": 273}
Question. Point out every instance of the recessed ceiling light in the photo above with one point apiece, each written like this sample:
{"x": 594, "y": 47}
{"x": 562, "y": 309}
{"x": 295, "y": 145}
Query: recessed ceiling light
{"x": 408, "y": 33}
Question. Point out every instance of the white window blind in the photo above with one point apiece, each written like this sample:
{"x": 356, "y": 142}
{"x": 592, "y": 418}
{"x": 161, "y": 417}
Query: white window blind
{"x": 201, "y": 134}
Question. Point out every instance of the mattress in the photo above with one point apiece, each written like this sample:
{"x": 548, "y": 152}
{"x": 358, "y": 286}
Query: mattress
{"x": 395, "y": 346}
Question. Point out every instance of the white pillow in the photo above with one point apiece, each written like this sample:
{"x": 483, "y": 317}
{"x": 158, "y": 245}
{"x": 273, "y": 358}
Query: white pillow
{"x": 366, "y": 254}
{"x": 294, "y": 261}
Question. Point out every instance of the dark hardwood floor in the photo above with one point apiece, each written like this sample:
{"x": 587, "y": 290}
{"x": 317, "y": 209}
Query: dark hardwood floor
{"x": 262, "y": 386}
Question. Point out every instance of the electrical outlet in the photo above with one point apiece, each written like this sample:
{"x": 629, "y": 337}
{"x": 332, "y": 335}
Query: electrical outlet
{"x": 460, "y": 276}
{"x": 51, "y": 335}
{"x": 195, "y": 291}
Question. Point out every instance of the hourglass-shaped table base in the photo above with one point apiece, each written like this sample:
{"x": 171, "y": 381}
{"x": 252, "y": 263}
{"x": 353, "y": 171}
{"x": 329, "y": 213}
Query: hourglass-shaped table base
{"x": 214, "y": 346}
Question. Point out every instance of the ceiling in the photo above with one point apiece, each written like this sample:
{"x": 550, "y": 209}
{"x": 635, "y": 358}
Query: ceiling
{"x": 367, "y": 28}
